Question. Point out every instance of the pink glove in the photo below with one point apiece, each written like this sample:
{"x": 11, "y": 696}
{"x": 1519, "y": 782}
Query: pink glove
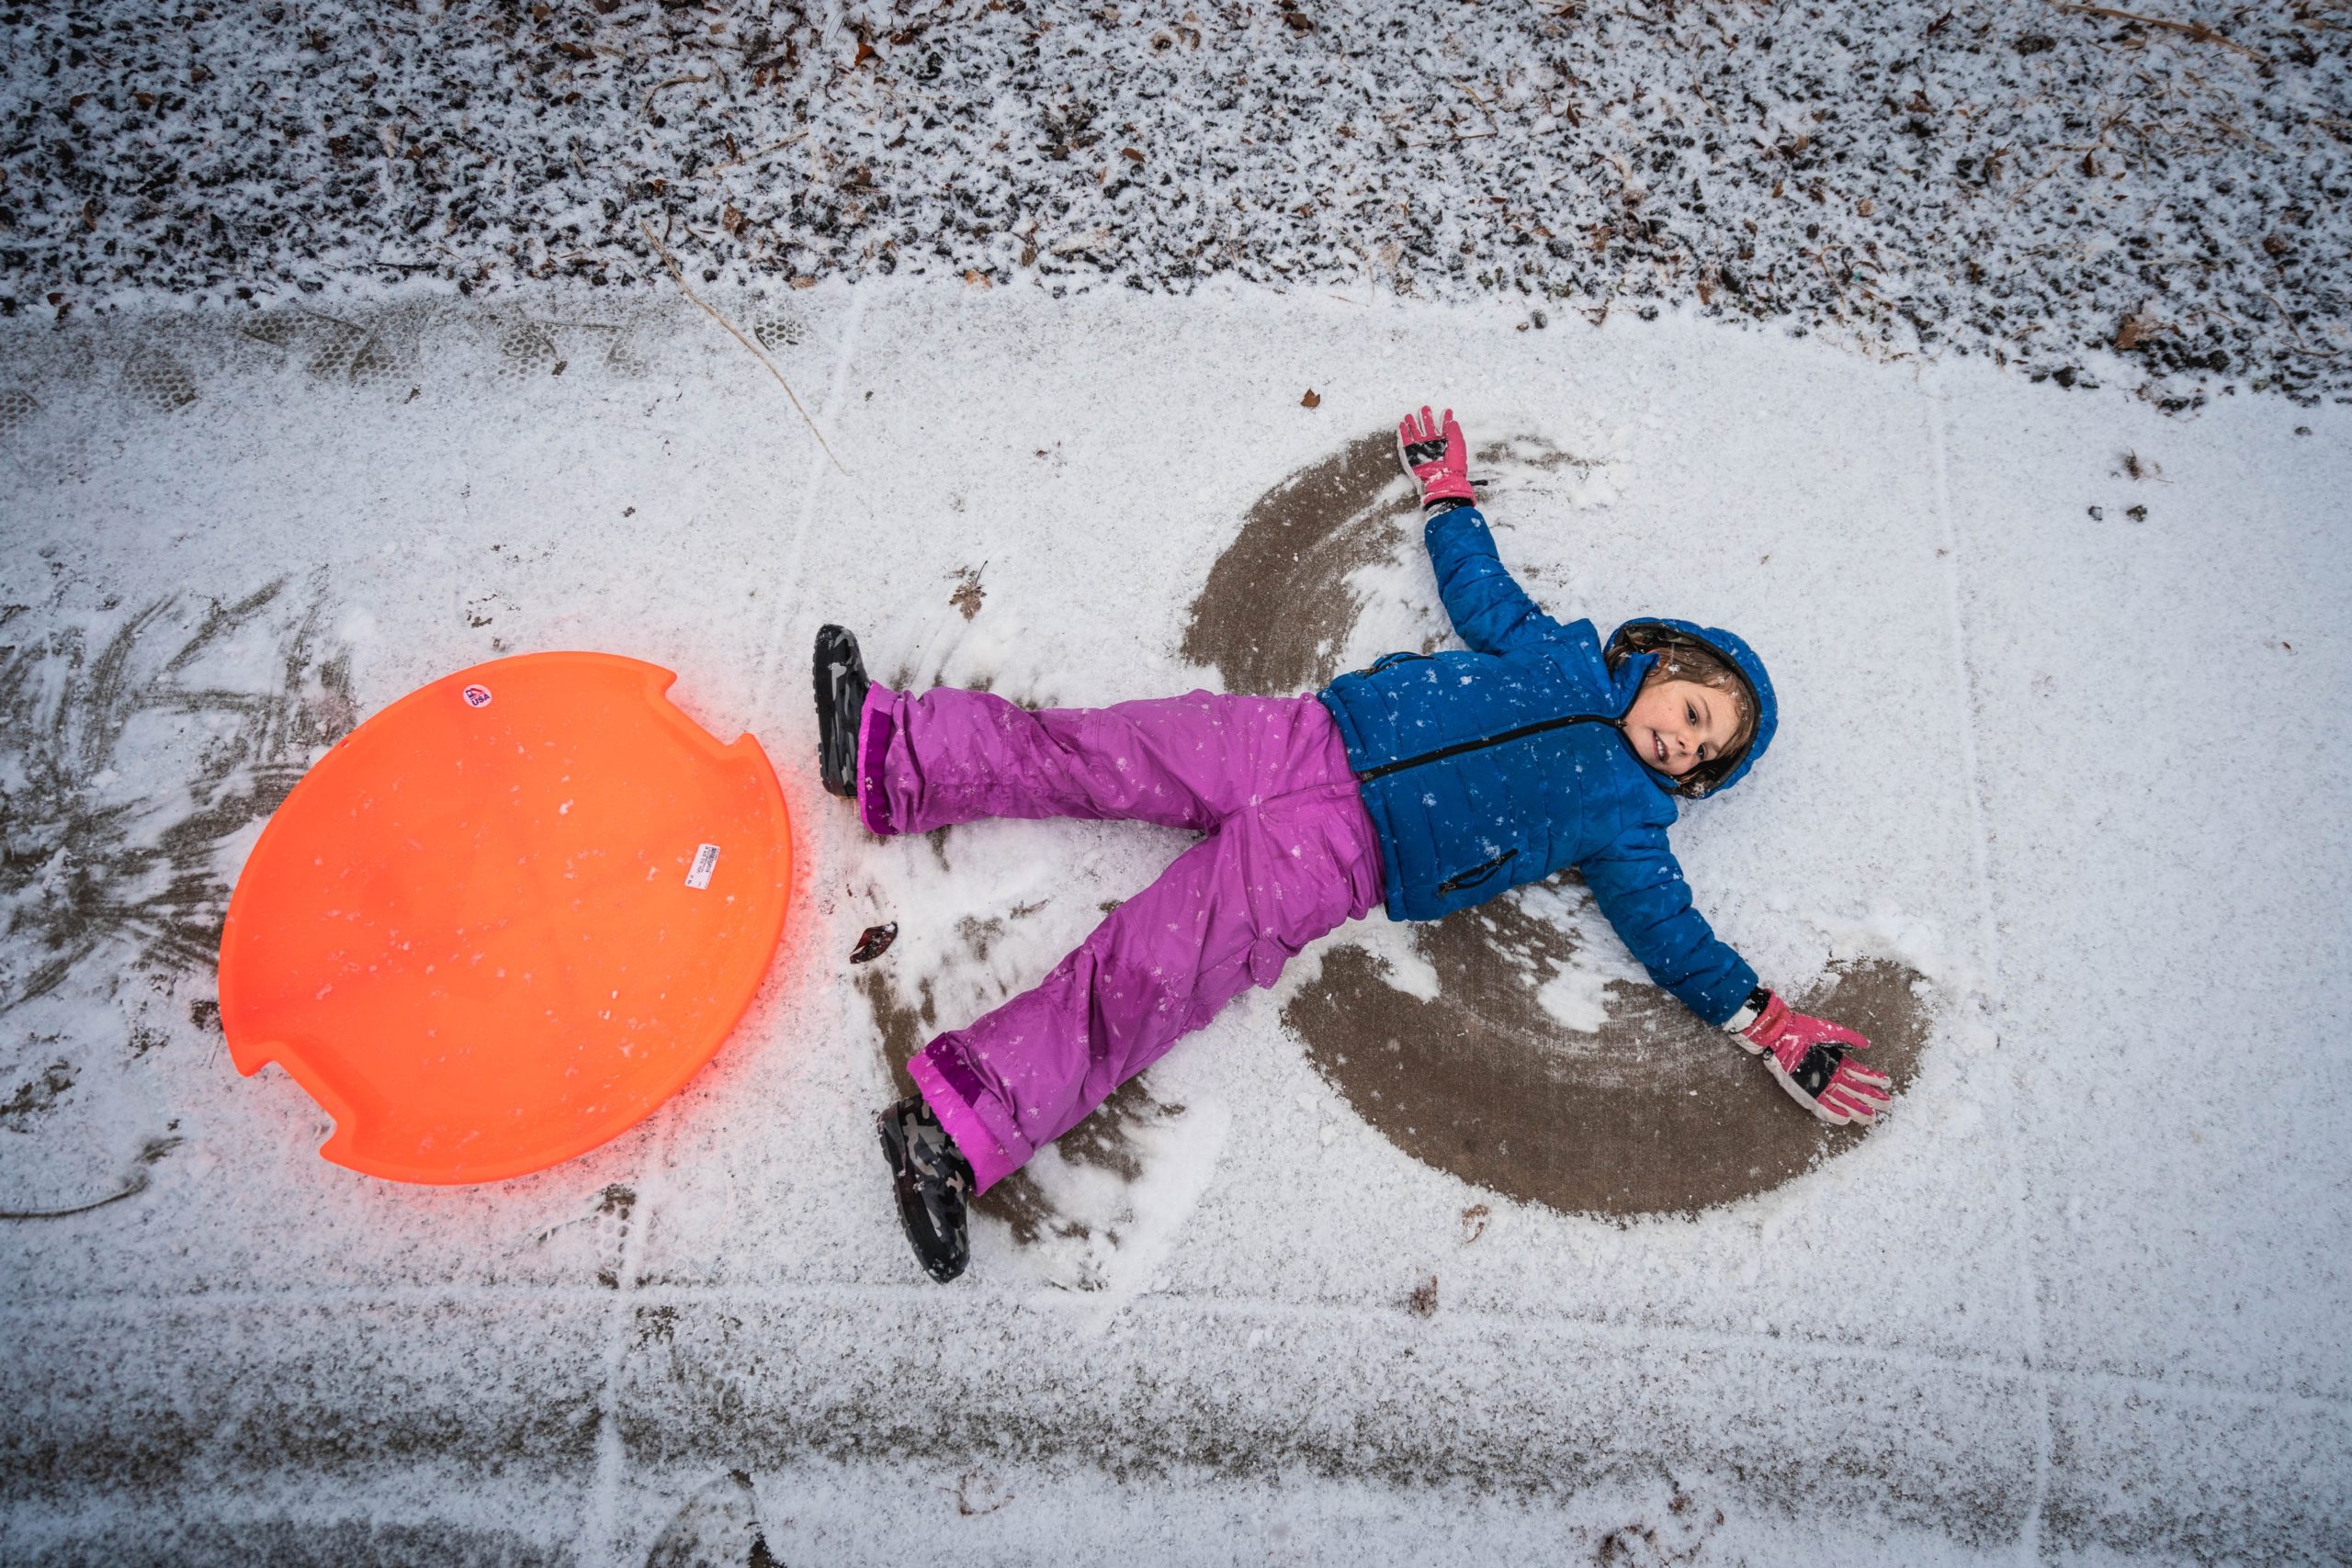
{"x": 1436, "y": 455}
{"x": 1808, "y": 1055}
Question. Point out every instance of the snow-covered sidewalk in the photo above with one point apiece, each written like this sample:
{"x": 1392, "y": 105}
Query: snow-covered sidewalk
{"x": 2056, "y": 785}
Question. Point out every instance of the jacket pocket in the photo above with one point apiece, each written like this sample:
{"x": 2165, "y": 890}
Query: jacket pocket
{"x": 1477, "y": 874}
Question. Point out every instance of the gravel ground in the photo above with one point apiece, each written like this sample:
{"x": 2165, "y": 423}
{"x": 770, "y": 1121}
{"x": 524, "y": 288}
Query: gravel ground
{"x": 2036, "y": 182}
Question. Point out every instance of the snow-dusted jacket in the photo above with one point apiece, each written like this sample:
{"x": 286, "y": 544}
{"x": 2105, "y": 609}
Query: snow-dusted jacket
{"x": 1486, "y": 769}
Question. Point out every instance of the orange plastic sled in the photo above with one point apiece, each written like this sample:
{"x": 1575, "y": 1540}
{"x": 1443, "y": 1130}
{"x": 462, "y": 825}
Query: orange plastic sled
{"x": 507, "y": 916}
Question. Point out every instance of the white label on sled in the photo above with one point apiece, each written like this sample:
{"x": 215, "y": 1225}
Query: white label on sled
{"x": 705, "y": 862}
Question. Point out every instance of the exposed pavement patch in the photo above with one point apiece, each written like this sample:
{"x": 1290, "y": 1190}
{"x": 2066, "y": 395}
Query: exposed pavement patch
{"x": 1653, "y": 1112}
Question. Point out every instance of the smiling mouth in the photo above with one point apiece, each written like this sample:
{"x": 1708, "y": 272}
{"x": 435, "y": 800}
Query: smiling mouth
{"x": 1658, "y": 744}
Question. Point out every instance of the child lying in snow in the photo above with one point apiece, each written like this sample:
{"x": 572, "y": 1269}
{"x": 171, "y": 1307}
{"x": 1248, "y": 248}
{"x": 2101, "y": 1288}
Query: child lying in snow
{"x": 1428, "y": 783}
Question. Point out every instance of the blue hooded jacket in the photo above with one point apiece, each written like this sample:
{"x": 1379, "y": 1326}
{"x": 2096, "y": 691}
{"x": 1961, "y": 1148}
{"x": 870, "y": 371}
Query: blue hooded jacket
{"x": 1503, "y": 765}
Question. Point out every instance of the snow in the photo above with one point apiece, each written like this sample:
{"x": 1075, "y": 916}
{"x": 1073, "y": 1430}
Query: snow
{"x": 1909, "y": 176}
{"x": 2081, "y": 1298}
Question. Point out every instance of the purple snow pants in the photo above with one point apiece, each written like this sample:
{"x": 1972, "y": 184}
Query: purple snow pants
{"x": 1290, "y": 854}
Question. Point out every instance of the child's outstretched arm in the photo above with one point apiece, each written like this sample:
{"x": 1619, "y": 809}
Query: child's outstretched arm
{"x": 1638, "y": 885}
{"x": 1488, "y": 608}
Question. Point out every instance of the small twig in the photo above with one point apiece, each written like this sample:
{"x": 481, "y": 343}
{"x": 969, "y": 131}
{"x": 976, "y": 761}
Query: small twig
{"x": 677, "y": 273}
{"x": 352, "y": 327}
{"x": 1482, "y": 105}
{"x": 138, "y": 1184}
{"x": 2029, "y": 187}
{"x": 660, "y": 87}
{"x": 755, "y": 157}
{"x": 2292, "y": 332}
{"x": 2226, "y": 129}
{"x": 153, "y": 1150}
{"x": 2197, "y": 31}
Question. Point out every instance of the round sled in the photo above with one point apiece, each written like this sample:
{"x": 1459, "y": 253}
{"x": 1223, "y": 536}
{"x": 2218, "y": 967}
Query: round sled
{"x": 506, "y": 918}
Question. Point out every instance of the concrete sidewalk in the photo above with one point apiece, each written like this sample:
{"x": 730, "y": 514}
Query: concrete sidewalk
{"x": 1461, "y": 1241}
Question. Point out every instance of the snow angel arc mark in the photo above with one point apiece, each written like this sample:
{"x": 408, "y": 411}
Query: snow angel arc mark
{"x": 1652, "y": 1111}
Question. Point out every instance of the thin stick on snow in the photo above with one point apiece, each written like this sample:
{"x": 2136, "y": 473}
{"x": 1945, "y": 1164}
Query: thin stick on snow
{"x": 2298, "y": 344}
{"x": 672, "y": 262}
{"x": 755, "y": 157}
{"x": 660, "y": 87}
{"x": 138, "y": 1185}
{"x": 156, "y": 1149}
{"x": 2197, "y": 31}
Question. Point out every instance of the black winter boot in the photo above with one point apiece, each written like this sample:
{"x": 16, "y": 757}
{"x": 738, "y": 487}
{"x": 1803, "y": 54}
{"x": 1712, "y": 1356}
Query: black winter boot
{"x": 841, "y": 703}
{"x": 932, "y": 1183}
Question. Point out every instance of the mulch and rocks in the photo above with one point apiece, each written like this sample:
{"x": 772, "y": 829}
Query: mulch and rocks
{"x": 2050, "y": 184}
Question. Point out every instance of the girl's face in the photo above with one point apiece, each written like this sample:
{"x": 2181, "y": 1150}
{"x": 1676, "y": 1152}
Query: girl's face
{"x": 1676, "y": 725}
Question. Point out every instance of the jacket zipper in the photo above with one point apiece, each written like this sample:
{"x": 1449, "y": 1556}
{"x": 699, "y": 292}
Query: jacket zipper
{"x": 1522, "y": 733}
{"x": 1477, "y": 874}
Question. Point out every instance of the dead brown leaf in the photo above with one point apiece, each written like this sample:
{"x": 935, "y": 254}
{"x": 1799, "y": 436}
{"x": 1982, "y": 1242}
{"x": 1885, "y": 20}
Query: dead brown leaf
{"x": 968, "y": 592}
{"x": 1312, "y": 400}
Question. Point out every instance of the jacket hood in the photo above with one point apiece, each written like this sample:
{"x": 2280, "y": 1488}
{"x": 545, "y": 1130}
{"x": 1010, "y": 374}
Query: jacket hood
{"x": 1644, "y": 636}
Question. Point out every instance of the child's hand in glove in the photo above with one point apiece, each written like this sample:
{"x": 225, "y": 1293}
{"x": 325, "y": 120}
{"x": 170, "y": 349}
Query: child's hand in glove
{"x": 1437, "y": 456}
{"x": 1809, "y": 1056}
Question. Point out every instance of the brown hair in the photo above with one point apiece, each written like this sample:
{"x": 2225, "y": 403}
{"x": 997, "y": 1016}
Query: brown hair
{"x": 1682, "y": 657}
{"x": 1687, "y": 662}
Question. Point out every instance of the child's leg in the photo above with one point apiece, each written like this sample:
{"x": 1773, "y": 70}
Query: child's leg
{"x": 1227, "y": 915}
{"x": 944, "y": 756}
